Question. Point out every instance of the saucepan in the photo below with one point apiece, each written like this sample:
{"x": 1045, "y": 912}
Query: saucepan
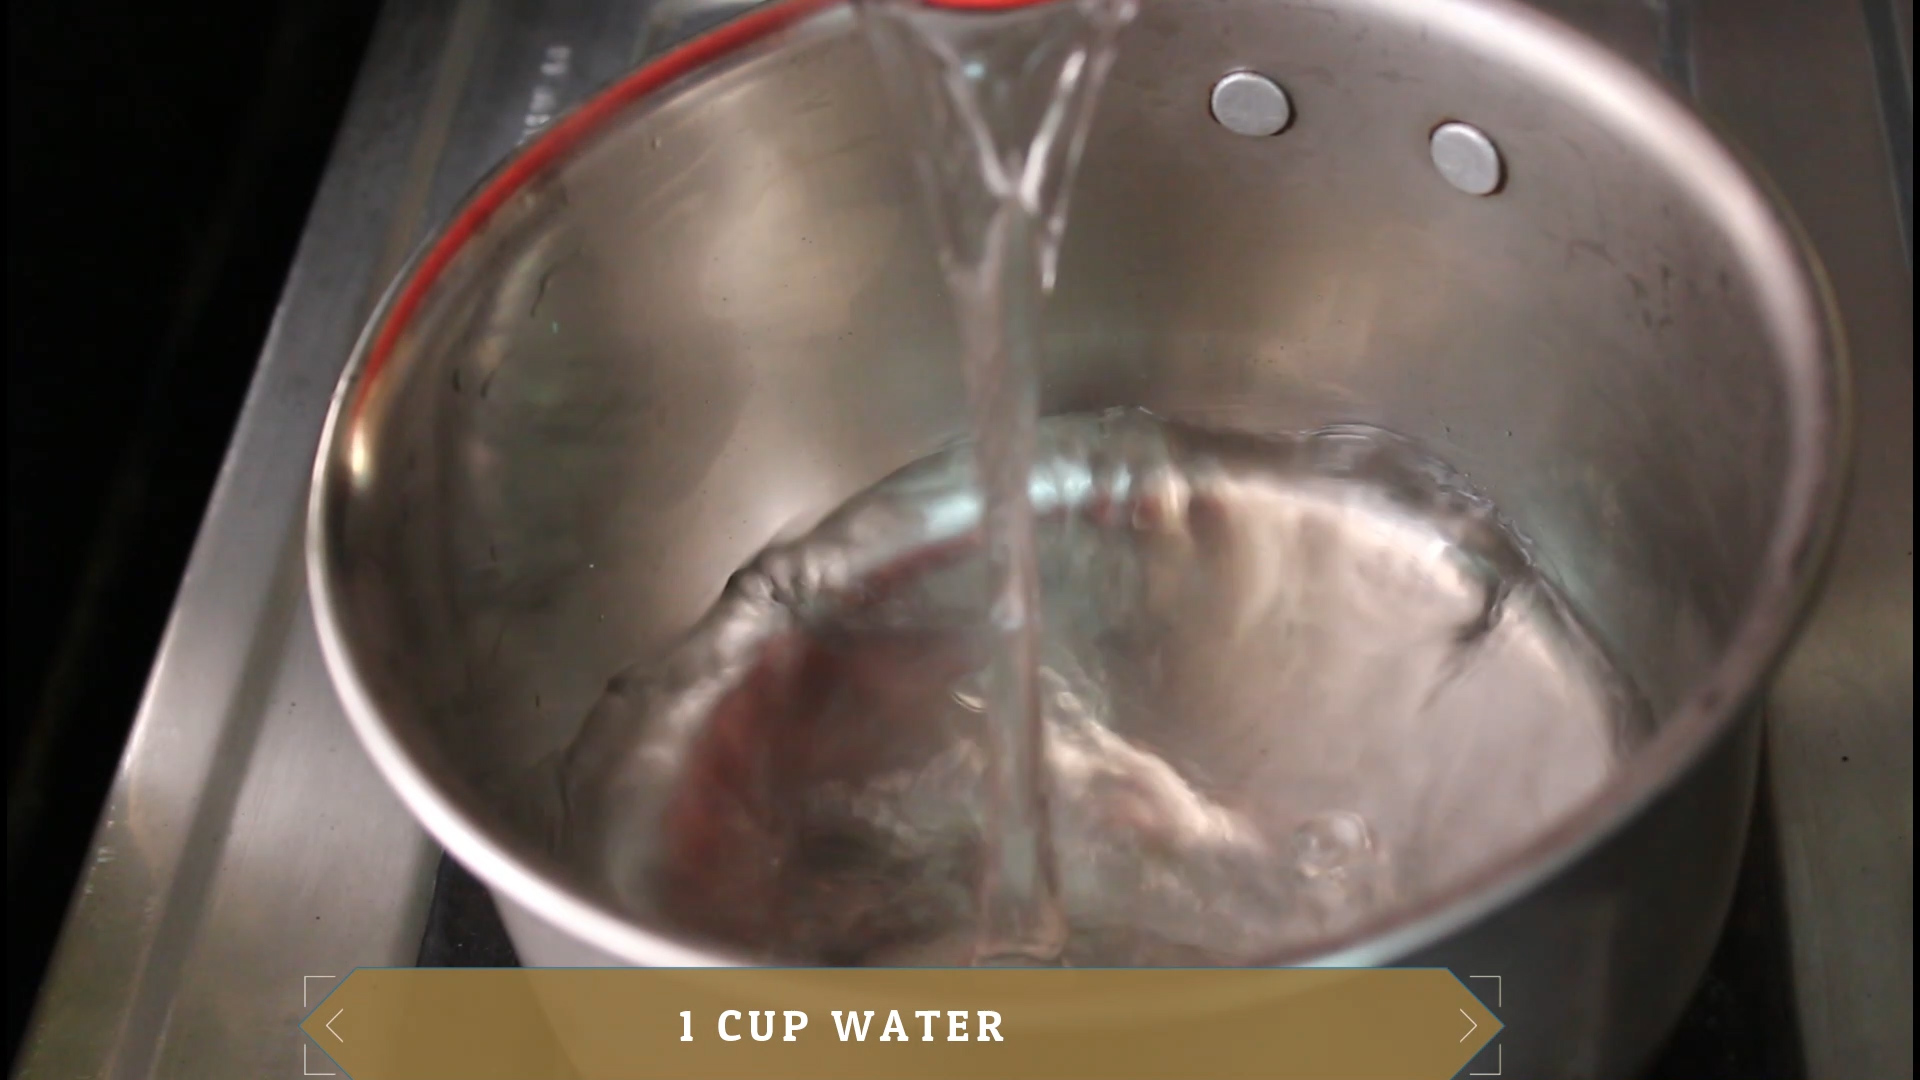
{"x": 704, "y": 307}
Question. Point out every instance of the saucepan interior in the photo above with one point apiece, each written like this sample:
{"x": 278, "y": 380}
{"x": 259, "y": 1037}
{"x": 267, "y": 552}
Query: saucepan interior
{"x": 704, "y": 311}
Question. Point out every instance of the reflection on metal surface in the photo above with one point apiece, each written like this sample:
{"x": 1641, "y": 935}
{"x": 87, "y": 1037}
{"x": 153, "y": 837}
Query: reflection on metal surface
{"x": 1890, "y": 37}
{"x": 1840, "y": 716}
{"x": 1676, "y": 42}
{"x": 248, "y": 844}
{"x": 670, "y": 22}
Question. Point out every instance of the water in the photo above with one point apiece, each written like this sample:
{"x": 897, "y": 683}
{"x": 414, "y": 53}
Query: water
{"x": 1286, "y": 684}
{"x": 996, "y": 106}
{"x": 1281, "y": 684}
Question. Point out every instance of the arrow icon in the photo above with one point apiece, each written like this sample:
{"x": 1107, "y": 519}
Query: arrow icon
{"x": 329, "y": 1026}
{"x": 1470, "y": 1020}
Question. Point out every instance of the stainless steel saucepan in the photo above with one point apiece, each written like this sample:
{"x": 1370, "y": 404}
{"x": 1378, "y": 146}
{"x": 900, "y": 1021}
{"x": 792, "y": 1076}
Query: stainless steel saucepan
{"x": 704, "y": 307}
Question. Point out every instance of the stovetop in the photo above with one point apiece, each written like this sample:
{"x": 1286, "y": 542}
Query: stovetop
{"x": 249, "y": 854}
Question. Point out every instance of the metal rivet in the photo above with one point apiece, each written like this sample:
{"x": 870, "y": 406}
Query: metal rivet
{"x": 1247, "y": 103}
{"x": 1467, "y": 158}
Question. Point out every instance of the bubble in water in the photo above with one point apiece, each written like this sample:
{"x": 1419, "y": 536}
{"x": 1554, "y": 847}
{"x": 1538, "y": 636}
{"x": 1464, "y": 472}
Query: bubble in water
{"x": 1331, "y": 843}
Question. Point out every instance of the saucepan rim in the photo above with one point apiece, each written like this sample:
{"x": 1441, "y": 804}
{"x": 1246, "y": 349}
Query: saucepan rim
{"x": 1814, "y": 367}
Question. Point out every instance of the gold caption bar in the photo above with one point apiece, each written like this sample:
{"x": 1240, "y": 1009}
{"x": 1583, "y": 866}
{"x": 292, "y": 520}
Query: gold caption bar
{"x": 896, "y": 1024}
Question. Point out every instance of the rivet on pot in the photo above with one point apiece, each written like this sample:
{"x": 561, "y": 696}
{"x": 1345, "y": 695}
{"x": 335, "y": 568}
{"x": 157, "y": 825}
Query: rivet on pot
{"x": 1467, "y": 158}
{"x": 1248, "y": 103}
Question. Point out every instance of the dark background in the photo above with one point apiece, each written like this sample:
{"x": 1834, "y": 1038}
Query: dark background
{"x": 160, "y": 162}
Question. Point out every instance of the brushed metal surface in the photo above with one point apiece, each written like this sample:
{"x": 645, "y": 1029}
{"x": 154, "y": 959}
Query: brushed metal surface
{"x": 1840, "y": 716}
{"x": 1902, "y": 20}
{"x": 1890, "y": 41}
{"x": 246, "y": 842}
{"x": 217, "y": 708}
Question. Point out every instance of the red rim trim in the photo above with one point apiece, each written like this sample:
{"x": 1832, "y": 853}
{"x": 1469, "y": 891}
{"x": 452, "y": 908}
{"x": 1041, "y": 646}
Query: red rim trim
{"x": 984, "y": 5}
{"x": 557, "y": 143}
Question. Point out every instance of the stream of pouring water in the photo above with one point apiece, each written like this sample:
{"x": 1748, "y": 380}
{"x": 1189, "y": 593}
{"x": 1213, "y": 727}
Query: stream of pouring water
{"x": 997, "y": 103}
